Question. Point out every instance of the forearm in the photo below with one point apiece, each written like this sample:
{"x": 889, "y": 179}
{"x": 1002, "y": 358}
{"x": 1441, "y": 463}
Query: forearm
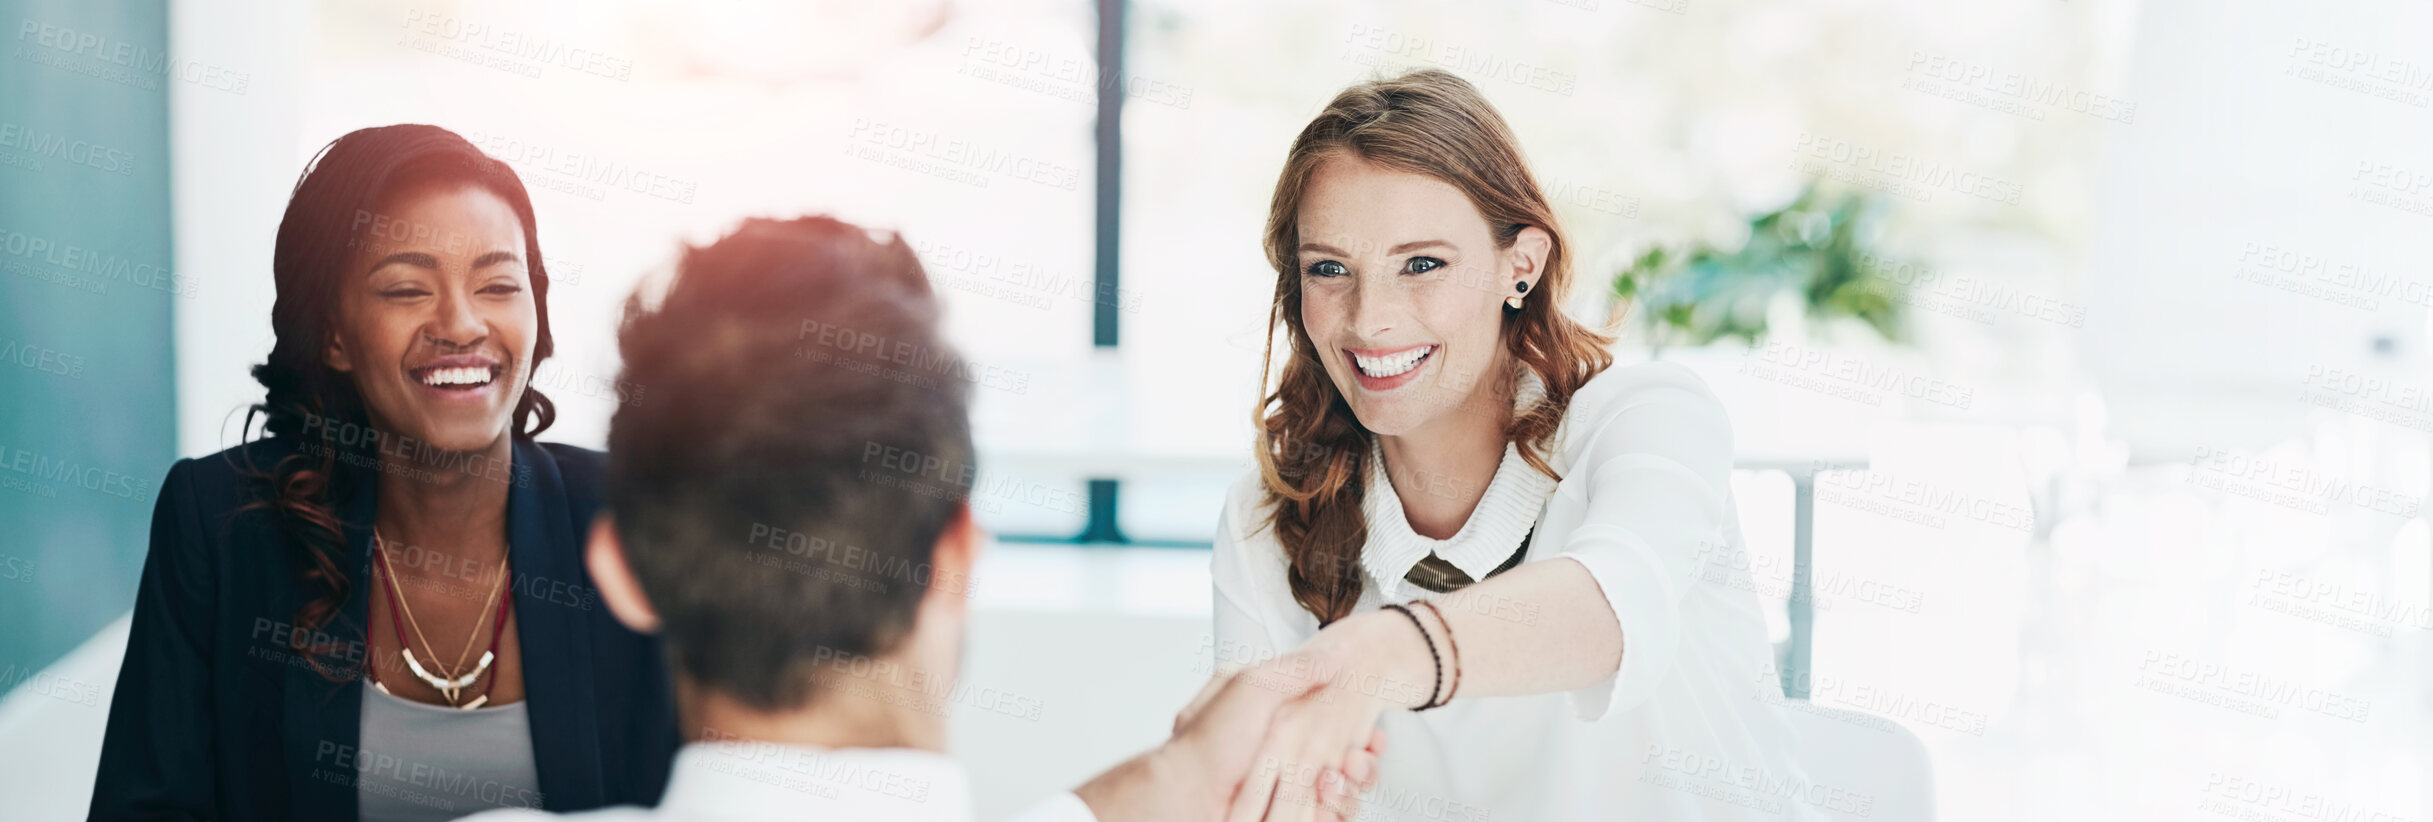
{"x": 1543, "y": 627}
{"x": 1144, "y": 787}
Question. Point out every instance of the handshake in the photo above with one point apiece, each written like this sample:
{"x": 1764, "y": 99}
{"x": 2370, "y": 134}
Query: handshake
{"x": 1283, "y": 740}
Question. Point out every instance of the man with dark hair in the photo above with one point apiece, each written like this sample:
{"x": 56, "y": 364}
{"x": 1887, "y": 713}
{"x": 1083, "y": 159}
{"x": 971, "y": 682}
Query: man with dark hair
{"x": 789, "y": 509}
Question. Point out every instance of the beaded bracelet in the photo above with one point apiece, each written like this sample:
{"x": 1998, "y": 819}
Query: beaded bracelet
{"x": 1453, "y": 648}
{"x": 1440, "y": 662}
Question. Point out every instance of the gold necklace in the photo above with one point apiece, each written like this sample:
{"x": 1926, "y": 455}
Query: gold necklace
{"x": 448, "y": 684}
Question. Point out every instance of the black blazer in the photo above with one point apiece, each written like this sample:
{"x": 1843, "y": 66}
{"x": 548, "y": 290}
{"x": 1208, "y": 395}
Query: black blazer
{"x": 215, "y": 718}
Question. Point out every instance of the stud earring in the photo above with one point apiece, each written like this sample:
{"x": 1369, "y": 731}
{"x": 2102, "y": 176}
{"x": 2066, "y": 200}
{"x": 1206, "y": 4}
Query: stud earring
{"x": 1514, "y": 302}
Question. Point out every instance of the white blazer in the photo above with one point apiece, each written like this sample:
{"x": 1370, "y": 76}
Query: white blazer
{"x": 1687, "y": 727}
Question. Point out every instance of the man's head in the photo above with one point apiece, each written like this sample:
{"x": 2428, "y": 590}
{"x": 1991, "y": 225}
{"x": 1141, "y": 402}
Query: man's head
{"x": 791, "y": 496}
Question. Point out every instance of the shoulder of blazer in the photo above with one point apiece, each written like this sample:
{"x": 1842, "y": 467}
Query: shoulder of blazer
{"x": 218, "y": 487}
{"x": 237, "y": 467}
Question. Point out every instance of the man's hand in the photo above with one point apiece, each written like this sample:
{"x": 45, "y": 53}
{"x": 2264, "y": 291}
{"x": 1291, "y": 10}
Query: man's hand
{"x": 1242, "y": 749}
{"x": 1341, "y": 680}
{"x": 1197, "y": 774}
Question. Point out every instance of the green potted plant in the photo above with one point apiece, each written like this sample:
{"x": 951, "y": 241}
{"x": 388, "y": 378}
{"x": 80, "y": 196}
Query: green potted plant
{"x": 1813, "y": 248}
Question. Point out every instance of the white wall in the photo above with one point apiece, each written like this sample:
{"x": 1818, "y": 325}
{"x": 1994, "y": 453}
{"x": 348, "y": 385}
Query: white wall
{"x": 234, "y": 159}
{"x": 2229, "y": 149}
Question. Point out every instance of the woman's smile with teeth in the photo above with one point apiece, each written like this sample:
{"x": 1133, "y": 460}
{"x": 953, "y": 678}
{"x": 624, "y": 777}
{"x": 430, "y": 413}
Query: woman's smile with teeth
{"x": 1388, "y": 365}
{"x": 463, "y": 375}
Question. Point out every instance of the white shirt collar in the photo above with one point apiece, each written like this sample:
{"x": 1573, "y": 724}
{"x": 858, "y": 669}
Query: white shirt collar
{"x": 1504, "y": 516}
{"x": 771, "y": 781}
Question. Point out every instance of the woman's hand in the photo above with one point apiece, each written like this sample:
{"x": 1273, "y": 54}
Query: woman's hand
{"x": 1319, "y": 752}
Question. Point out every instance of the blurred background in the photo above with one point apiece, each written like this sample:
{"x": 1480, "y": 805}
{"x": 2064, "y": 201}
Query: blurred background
{"x": 2077, "y": 351}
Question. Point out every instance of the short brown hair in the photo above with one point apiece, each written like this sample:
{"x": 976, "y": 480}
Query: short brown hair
{"x": 756, "y": 491}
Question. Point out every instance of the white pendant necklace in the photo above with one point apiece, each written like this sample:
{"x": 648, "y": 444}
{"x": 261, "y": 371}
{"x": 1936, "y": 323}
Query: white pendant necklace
{"x": 450, "y": 685}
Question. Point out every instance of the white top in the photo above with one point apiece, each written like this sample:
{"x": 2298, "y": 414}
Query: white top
{"x": 431, "y": 763}
{"x": 773, "y": 782}
{"x": 1686, "y": 728}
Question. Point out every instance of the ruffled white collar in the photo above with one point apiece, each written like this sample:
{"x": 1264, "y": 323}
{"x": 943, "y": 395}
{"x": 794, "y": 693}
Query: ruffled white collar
{"x": 1515, "y": 498}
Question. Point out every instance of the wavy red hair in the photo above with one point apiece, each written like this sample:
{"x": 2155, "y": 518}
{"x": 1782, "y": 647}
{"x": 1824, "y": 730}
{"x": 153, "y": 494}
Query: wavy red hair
{"x": 1313, "y": 452}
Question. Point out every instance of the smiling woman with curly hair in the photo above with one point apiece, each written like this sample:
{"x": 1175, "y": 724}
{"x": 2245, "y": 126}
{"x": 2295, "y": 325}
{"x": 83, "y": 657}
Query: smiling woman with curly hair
{"x": 379, "y": 610}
